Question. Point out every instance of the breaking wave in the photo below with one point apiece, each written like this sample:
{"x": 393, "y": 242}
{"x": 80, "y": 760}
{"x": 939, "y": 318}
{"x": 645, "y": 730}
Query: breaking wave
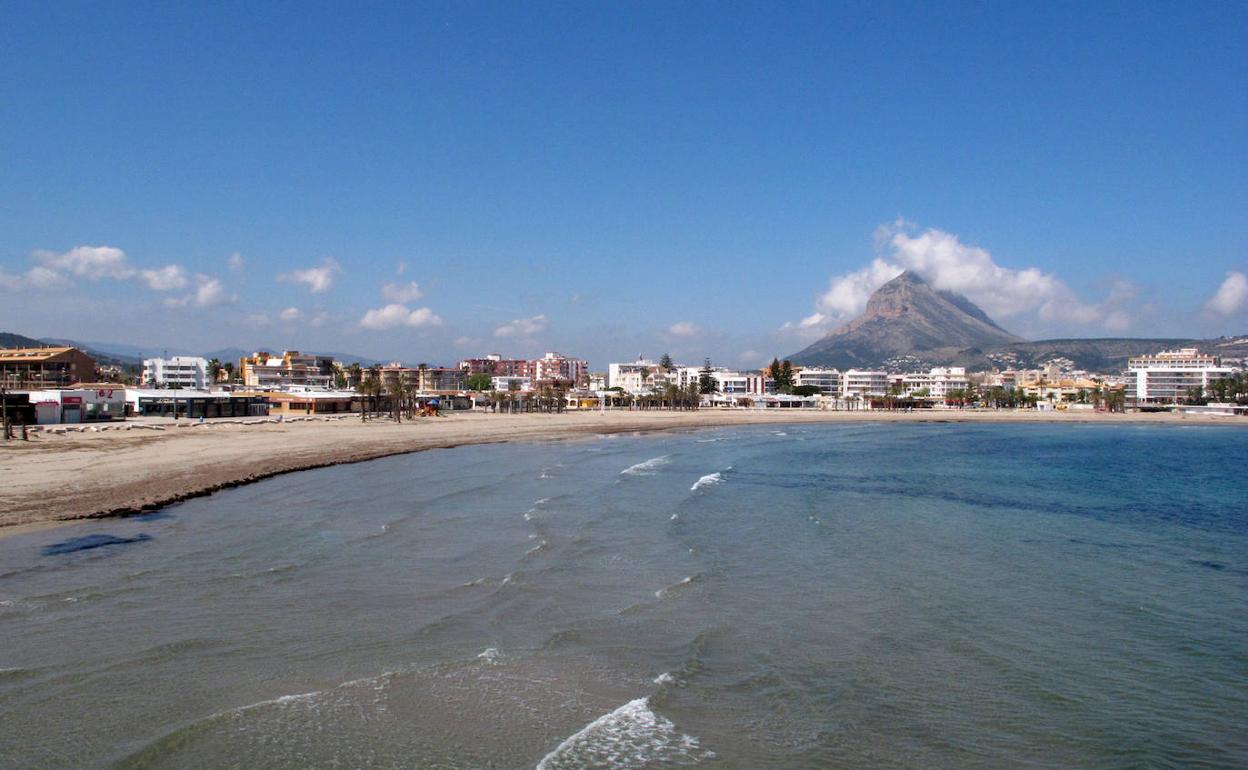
{"x": 706, "y": 481}
{"x": 631, "y": 736}
{"x": 646, "y": 468}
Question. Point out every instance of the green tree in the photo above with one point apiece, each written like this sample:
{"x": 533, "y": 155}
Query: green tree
{"x": 706, "y": 378}
{"x": 666, "y": 362}
{"x": 784, "y": 381}
{"x": 214, "y": 370}
{"x": 479, "y": 382}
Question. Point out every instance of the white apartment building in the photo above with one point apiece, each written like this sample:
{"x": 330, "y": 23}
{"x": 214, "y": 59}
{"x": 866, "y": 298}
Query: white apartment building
{"x": 732, "y": 383}
{"x": 632, "y": 377}
{"x": 938, "y": 382}
{"x": 1166, "y": 377}
{"x": 828, "y": 381}
{"x": 178, "y": 371}
{"x": 863, "y": 383}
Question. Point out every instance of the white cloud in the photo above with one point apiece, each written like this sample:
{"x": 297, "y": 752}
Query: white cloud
{"x": 684, "y": 329}
{"x": 523, "y": 327}
{"x": 467, "y": 342}
{"x": 401, "y": 293}
{"x": 165, "y": 278}
{"x": 319, "y": 279}
{"x": 235, "y": 262}
{"x": 1231, "y": 297}
{"x": 90, "y": 262}
{"x": 290, "y": 314}
{"x": 257, "y": 319}
{"x": 847, "y": 294}
{"x": 949, "y": 264}
{"x": 44, "y": 277}
{"x": 208, "y": 292}
{"x": 395, "y": 315}
{"x": 318, "y": 318}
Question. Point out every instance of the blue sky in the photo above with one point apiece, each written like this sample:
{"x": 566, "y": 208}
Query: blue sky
{"x": 708, "y": 179}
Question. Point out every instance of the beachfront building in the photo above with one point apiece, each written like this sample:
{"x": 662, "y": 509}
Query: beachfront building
{"x": 558, "y": 369}
{"x": 192, "y": 403}
{"x": 434, "y": 379}
{"x": 75, "y": 405}
{"x": 176, "y": 372}
{"x": 936, "y": 384}
{"x": 494, "y": 364}
{"x": 513, "y": 384}
{"x": 828, "y": 381}
{"x": 1167, "y": 377}
{"x": 268, "y": 371}
{"x": 731, "y": 383}
{"x": 861, "y": 384}
{"x": 50, "y": 367}
{"x": 550, "y": 369}
{"x": 632, "y": 377}
{"x": 312, "y": 402}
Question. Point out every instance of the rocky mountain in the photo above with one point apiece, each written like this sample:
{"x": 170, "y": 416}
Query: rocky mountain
{"x": 909, "y": 326}
{"x": 906, "y": 320}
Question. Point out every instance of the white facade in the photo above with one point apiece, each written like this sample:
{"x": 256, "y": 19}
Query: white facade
{"x": 731, "y": 383}
{"x": 505, "y": 383}
{"x": 1168, "y": 376}
{"x": 78, "y": 405}
{"x": 828, "y": 381}
{"x": 938, "y": 382}
{"x": 862, "y": 383}
{"x": 179, "y": 371}
{"x": 633, "y": 377}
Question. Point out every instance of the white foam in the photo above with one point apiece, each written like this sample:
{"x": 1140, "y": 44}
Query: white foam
{"x": 674, "y": 517}
{"x": 706, "y": 481}
{"x": 535, "y": 548}
{"x": 489, "y": 655}
{"x": 659, "y": 594}
{"x": 631, "y": 736}
{"x": 665, "y": 678}
{"x": 645, "y": 468}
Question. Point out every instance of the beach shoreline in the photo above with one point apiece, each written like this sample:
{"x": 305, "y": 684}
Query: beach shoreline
{"x": 61, "y": 478}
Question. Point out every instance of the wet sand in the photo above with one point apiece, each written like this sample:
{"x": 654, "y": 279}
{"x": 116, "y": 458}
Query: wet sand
{"x": 56, "y": 478}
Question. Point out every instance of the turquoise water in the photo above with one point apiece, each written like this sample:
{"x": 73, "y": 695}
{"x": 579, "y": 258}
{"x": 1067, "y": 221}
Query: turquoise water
{"x": 860, "y": 595}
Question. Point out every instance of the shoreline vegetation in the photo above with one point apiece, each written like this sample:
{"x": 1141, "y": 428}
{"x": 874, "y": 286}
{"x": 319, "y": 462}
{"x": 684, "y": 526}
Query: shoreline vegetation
{"x": 59, "y": 478}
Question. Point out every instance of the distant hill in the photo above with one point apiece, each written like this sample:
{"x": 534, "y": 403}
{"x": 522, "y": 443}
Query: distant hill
{"x": 907, "y": 320}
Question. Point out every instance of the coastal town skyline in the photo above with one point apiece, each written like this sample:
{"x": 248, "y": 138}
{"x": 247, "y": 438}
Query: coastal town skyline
{"x": 527, "y": 205}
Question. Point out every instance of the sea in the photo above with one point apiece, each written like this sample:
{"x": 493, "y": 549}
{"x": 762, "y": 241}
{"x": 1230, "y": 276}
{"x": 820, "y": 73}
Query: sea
{"x": 859, "y": 595}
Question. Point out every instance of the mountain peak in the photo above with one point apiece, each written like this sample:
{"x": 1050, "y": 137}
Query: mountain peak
{"x": 907, "y": 318}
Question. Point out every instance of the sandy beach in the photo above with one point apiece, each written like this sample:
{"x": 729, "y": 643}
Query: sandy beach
{"x": 116, "y": 472}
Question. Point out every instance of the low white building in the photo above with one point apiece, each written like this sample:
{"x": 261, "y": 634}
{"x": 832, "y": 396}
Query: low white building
{"x": 76, "y": 405}
{"x": 828, "y": 381}
{"x": 505, "y": 383}
{"x": 1168, "y": 376}
{"x": 176, "y": 372}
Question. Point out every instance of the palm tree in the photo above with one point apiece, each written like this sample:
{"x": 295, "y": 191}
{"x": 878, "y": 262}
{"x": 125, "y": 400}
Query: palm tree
{"x": 214, "y": 371}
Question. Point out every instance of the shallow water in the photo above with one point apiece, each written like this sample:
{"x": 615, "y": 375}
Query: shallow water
{"x": 824, "y": 596}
